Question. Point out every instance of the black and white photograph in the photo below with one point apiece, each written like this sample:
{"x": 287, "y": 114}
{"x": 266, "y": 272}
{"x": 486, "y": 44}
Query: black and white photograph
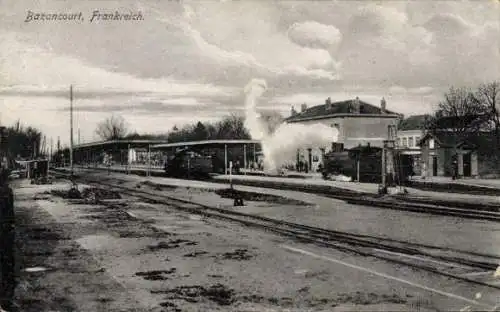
{"x": 249, "y": 155}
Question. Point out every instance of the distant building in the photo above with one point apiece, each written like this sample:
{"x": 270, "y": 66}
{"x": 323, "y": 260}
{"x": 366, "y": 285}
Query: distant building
{"x": 358, "y": 123}
{"x": 410, "y": 131}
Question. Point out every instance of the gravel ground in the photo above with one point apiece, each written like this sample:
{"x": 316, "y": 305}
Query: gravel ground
{"x": 121, "y": 253}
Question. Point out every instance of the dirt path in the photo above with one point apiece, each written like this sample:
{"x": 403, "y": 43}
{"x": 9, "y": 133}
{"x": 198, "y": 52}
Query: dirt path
{"x": 71, "y": 279}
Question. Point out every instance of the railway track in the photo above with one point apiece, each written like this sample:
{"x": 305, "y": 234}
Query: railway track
{"x": 477, "y": 211}
{"x": 466, "y": 266}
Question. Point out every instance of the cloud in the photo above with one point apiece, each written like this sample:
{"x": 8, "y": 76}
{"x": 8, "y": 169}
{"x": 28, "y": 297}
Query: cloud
{"x": 314, "y": 34}
{"x": 299, "y": 61}
{"x": 417, "y": 91}
{"x": 446, "y": 25}
{"x": 39, "y": 70}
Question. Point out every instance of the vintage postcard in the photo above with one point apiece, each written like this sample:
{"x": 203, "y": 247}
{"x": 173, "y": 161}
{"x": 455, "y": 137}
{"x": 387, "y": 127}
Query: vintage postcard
{"x": 249, "y": 155}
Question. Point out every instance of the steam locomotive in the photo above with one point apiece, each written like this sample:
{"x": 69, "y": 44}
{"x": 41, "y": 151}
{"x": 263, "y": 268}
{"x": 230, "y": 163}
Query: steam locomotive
{"x": 368, "y": 161}
{"x": 189, "y": 164}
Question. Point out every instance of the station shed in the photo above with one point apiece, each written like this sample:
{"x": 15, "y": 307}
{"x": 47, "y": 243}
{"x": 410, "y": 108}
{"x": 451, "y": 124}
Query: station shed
{"x": 116, "y": 151}
{"x": 223, "y": 151}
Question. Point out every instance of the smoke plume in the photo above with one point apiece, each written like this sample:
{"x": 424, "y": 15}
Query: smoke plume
{"x": 280, "y": 148}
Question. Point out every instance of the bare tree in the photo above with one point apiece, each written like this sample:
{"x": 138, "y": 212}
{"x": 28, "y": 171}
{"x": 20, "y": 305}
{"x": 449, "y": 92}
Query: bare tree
{"x": 112, "y": 128}
{"x": 489, "y": 96}
{"x": 460, "y": 112}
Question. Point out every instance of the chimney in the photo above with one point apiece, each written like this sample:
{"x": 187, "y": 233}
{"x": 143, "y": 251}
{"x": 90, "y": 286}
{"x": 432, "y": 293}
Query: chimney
{"x": 293, "y": 112}
{"x": 328, "y": 103}
{"x": 382, "y": 106}
{"x": 354, "y": 106}
{"x": 303, "y": 107}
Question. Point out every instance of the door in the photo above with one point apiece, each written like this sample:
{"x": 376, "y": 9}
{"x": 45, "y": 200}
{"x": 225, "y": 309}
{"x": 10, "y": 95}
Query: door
{"x": 467, "y": 165}
{"x": 434, "y": 166}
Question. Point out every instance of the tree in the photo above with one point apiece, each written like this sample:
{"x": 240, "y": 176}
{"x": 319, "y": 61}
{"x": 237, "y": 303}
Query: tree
{"x": 22, "y": 142}
{"x": 489, "y": 96}
{"x": 112, "y": 128}
{"x": 232, "y": 127}
{"x": 200, "y": 132}
{"x": 460, "y": 112}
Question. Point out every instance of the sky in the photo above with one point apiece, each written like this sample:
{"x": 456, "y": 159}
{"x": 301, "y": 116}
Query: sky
{"x": 190, "y": 60}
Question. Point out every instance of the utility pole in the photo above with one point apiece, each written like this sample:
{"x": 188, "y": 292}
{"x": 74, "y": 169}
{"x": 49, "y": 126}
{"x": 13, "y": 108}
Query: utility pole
{"x": 71, "y": 128}
{"x": 78, "y": 136}
{"x": 51, "y": 150}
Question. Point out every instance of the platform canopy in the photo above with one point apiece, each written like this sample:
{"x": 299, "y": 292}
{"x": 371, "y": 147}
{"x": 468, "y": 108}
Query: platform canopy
{"x": 118, "y": 144}
{"x": 205, "y": 144}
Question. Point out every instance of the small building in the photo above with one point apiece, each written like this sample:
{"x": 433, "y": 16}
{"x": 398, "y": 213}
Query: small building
{"x": 466, "y": 141}
{"x": 357, "y": 122}
{"x": 441, "y": 149}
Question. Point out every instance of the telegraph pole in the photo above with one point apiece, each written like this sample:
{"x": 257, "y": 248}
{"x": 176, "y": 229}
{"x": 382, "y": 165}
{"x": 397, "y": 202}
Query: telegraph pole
{"x": 51, "y": 150}
{"x": 71, "y": 128}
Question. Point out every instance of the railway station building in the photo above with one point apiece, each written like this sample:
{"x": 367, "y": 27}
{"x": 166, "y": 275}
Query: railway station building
{"x": 359, "y": 124}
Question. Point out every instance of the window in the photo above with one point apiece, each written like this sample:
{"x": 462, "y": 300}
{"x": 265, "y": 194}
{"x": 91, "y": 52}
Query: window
{"x": 399, "y": 142}
{"x": 405, "y": 144}
{"x": 410, "y": 142}
{"x": 417, "y": 140}
{"x": 431, "y": 143}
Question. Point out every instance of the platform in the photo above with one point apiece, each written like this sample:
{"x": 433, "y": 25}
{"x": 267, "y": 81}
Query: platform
{"x": 491, "y": 183}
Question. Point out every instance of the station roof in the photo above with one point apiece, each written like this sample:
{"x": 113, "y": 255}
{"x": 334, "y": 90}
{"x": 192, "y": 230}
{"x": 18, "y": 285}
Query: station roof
{"x": 133, "y": 143}
{"x": 204, "y": 143}
{"x": 340, "y": 109}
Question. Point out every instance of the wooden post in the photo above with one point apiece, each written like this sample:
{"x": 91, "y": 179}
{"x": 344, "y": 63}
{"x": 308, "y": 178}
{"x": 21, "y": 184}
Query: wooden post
{"x": 357, "y": 170}
{"x": 245, "y": 158}
{"x": 149, "y": 160}
{"x": 231, "y": 174}
{"x": 128, "y": 160}
{"x": 383, "y": 166}
{"x": 225, "y": 158}
{"x": 71, "y": 128}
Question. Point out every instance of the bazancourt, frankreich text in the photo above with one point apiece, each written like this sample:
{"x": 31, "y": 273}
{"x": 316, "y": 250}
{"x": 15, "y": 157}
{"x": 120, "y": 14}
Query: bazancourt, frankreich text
{"x": 116, "y": 16}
